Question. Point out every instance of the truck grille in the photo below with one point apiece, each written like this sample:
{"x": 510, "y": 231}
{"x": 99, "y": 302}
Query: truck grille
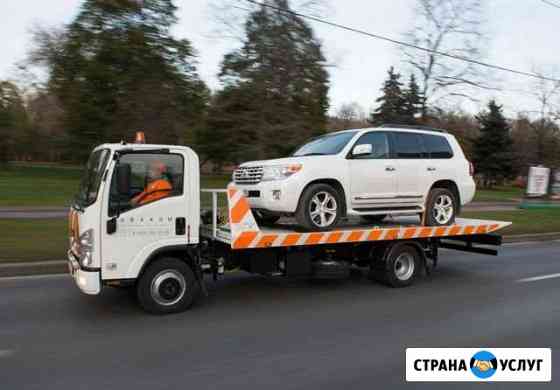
{"x": 248, "y": 175}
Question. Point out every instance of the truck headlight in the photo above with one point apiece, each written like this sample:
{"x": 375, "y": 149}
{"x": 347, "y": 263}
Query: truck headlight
{"x": 86, "y": 248}
{"x": 280, "y": 172}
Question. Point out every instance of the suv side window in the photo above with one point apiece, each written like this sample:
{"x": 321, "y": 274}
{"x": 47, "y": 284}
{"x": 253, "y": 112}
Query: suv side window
{"x": 409, "y": 145}
{"x": 437, "y": 146}
{"x": 380, "y": 145}
{"x": 154, "y": 177}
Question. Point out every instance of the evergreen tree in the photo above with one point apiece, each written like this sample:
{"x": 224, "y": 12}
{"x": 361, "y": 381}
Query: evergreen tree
{"x": 413, "y": 102}
{"x": 493, "y": 150}
{"x": 15, "y": 133}
{"x": 119, "y": 70}
{"x": 276, "y": 85}
{"x": 392, "y": 104}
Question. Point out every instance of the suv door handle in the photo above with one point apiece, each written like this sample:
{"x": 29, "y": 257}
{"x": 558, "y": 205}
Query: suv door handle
{"x": 431, "y": 169}
{"x": 390, "y": 169}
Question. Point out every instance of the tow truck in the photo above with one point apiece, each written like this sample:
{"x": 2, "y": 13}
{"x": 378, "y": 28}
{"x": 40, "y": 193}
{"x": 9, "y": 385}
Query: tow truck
{"x": 163, "y": 249}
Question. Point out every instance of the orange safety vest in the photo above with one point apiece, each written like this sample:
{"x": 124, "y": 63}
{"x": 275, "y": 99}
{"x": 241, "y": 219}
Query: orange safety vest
{"x": 156, "y": 190}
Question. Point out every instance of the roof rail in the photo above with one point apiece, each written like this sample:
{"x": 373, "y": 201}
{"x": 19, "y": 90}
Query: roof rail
{"x": 413, "y": 127}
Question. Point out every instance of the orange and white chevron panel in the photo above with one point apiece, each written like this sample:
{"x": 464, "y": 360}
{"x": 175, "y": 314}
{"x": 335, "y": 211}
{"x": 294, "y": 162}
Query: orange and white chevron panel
{"x": 246, "y": 234}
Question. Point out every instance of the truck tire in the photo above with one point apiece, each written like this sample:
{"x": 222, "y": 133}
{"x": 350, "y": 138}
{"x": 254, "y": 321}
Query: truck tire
{"x": 320, "y": 207}
{"x": 441, "y": 208}
{"x": 400, "y": 267}
{"x": 167, "y": 286}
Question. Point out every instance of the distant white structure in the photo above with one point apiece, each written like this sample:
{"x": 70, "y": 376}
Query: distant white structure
{"x": 537, "y": 183}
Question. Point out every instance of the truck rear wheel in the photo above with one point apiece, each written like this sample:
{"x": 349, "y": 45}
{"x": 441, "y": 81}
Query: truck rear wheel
{"x": 168, "y": 285}
{"x": 400, "y": 267}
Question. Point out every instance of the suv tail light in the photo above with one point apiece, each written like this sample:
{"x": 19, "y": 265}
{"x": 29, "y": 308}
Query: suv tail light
{"x": 471, "y": 169}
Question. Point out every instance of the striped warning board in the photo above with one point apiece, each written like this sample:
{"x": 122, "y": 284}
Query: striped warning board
{"x": 245, "y": 233}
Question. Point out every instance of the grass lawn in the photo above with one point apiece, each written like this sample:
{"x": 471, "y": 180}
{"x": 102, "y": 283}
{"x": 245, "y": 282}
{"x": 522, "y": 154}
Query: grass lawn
{"x": 498, "y": 194}
{"x": 55, "y": 185}
{"x": 33, "y": 240}
{"x": 41, "y": 186}
{"x": 524, "y": 221}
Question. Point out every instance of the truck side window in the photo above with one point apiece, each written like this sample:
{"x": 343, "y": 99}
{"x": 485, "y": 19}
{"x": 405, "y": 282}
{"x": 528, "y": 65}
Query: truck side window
{"x": 409, "y": 145}
{"x": 380, "y": 145}
{"x": 437, "y": 146}
{"x": 153, "y": 177}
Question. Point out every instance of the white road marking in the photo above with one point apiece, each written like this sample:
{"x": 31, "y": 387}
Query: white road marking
{"x": 537, "y": 278}
{"x": 32, "y": 277}
{"x": 6, "y": 353}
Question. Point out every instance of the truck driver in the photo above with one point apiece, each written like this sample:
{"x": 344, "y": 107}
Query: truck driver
{"x": 157, "y": 185}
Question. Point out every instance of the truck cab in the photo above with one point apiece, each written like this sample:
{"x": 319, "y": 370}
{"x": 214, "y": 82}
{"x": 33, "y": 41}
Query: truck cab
{"x": 118, "y": 222}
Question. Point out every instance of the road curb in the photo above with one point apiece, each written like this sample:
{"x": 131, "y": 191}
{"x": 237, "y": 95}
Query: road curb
{"x": 61, "y": 267}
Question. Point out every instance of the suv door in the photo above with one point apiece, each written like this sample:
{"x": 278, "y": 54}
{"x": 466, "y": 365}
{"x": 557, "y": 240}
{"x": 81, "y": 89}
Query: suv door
{"x": 412, "y": 175}
{"x": 372, "y": 176}
{"x": 440, "y": 153}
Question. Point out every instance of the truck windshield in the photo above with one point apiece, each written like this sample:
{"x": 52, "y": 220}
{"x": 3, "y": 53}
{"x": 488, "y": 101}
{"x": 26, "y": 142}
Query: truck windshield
{"x": 91, "y": 179}
{"x": 326, "y": 145}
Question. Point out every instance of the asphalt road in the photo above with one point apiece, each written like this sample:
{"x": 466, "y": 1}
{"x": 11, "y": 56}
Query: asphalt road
{"x": 254, "y": 332}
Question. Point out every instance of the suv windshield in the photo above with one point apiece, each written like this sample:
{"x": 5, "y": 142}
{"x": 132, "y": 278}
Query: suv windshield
{"x": 91, "y": 179}
{"x": 326, "y": 145}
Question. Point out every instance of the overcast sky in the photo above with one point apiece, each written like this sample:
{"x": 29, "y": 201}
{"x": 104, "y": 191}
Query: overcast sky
{"x": 524, "y": 34}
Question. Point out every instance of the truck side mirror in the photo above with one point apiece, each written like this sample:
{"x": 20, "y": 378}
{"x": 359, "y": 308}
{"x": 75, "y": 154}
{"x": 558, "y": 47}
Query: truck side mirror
{"x": 362, "y": 150}
{"x": 123, "y": 179}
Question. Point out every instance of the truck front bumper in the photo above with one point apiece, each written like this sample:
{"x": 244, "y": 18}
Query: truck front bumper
{"x": 88, "y": 281}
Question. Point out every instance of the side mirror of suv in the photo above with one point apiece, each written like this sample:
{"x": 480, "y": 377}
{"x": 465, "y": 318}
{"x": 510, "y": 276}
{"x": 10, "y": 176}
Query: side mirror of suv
{"x": 362, "y": 150}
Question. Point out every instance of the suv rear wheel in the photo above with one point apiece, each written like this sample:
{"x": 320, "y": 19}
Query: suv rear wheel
{"x": 441, "y": 207}
{"x": 320, "y": 207}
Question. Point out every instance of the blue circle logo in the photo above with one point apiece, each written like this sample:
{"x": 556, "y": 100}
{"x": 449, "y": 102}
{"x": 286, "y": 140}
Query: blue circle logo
{"x": 484, "y": 364}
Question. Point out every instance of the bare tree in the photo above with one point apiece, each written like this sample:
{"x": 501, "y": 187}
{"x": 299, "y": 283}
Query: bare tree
{"x": 32, "y": 72}
{"x": 545, "y": 132}
{"x": 547, "y": 94}
{"x": 450, "y": 26}
{"x": 350, "y": 113}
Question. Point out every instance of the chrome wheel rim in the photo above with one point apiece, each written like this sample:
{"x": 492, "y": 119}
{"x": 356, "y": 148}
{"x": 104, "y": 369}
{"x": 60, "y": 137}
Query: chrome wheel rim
{"x": 404, "y": 266}
{"x": 443, "y": 209}
{"x": 168, "y": 287}
{"x": 323, "y": 209}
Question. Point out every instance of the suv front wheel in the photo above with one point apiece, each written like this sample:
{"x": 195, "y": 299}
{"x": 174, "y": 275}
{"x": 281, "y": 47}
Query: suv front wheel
{"x": 320, "y": 207}
{"x": 441, "y": 208}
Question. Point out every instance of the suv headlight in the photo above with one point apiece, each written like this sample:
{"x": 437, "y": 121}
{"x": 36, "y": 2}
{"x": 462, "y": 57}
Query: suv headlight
{"x": 86, "y": 248}
{"x": 280, "y": 172}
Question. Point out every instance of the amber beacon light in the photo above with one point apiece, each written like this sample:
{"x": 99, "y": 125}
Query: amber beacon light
{"x": 140, "y": 137}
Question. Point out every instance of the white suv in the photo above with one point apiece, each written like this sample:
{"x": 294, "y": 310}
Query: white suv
{"x": 369, "y": 172}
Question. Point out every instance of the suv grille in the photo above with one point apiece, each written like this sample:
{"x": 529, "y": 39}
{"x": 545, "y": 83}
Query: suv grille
{"x": 248, "y": 175}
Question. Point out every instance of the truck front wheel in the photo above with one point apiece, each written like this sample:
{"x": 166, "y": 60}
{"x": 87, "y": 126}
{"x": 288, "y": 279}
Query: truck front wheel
{"x": 168, "y": 285}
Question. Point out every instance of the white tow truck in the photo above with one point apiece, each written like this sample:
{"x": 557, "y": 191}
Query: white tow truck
{"x": 125, "y": 231}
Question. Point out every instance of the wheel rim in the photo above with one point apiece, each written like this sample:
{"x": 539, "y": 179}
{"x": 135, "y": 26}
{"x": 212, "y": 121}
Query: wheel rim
{"x": 168, "y": 287}
{"x": 404, "y": 266}
{"x": 443, "y": 209}
{"x": 323, "y": 209}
